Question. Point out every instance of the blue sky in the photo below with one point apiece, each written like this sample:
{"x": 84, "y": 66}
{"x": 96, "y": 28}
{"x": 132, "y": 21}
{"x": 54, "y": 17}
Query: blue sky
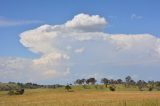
{"x": 122, "y": 16}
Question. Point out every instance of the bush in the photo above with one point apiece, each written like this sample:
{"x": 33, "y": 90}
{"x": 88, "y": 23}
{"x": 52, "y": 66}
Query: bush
{"x": 19, "y": 91}
{"x": 68, "y": 87}
{"x": 150, "y": 88}
{"x": 16, "y": 92}
{"x": 112, "y": 88}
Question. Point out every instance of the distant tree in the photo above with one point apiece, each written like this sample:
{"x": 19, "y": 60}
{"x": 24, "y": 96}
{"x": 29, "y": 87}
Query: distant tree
{"x": 151, "y": 85}
{"x": 21, "y": 85}
{"x": 128, "y": 81}
{"x": 105, "y": 81}
{"x": 111, "y": 81}
{"x": 78, "y": 81}
{"x": 141, "y": 84}
{"x": 83, "y": 81}
{"x": 119, "y": 81}
{"x": 68, "y": 87}
{"x": 132, "y": 82}
{"x": 128, "y": 78}
{"x": 87, "y": 81}
{"x": 11, "y": 83}
{"x": 91, "y": 81}
{"x": 157, "y": 84}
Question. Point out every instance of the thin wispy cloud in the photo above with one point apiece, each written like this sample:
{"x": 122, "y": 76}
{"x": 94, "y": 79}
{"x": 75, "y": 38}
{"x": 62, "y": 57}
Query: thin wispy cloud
{"x": 136, "y": 17}
{"x": 5, "y": 22}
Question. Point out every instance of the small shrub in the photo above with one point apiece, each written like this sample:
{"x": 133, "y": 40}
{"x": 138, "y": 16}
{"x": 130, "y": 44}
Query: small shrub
{"x": 150, "y": 89}
{"x": 112, "y": 88}
{"x": 68, "y": 87}
{"x": 19, "y": 92}
{"x": 16, "y": 92}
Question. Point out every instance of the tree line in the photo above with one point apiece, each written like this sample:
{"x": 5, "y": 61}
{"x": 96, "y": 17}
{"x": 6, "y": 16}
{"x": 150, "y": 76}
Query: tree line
{"x": 128, "y": 82}
{"x": 104, "y": 82}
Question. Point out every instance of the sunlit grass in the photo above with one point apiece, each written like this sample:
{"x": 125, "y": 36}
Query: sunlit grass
{"x": 81, "y": 97}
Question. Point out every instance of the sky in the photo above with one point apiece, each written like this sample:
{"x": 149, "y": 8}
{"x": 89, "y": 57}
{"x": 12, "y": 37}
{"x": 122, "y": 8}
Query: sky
{"x": 55, "y": 41}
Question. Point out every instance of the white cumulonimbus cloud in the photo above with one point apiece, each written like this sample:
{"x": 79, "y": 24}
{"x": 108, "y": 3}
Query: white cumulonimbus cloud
{"x": 79, "y": 47}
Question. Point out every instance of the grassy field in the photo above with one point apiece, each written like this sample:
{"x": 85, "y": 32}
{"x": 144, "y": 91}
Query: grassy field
{"x": 81, "y": 97}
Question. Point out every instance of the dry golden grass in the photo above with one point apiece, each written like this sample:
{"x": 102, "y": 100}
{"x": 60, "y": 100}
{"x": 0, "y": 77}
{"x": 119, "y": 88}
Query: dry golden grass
{"x": 48, "y": 97}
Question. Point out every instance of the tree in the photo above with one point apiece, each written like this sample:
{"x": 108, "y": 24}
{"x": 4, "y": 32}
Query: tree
{"x": 141, "y": 84}
{"x": 157, "y": 84}
{"x": 132, "y": 82}
{"x": 128, "y": 80}
{"x": 78, "y": 81}
{"x": 119, "y": 81}
{"x": 151, "y": 85}
{"x": 83, "y": 81}
{"x": 91, "y": 81}
{"x": 105, "y": 81}
{"x": 68, "y": 87}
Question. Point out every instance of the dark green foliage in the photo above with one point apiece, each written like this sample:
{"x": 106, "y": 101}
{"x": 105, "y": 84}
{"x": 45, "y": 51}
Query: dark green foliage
{"x": 150, "y": 88}
{"x": 7, "y": 86}
{"x": 20, "y": 91}
{"x": 91, "y": 81}
{"x": 105, "y": 81}
{"x": 112, "y": 88}
{"x": 119, "y": 81}
{"x": 68, "y": 87}
{"x": 128, "y": 81}
{"x": 16, "y": 92}
{"x": 12, "y": 85}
